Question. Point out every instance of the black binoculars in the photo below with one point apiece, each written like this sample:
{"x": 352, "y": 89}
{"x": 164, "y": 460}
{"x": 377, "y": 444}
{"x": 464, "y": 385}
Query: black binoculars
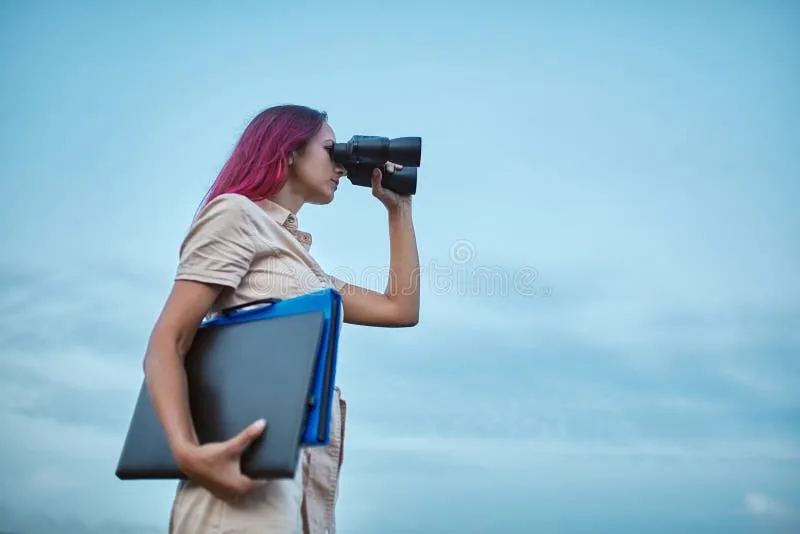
{"x": 363, "y": 153}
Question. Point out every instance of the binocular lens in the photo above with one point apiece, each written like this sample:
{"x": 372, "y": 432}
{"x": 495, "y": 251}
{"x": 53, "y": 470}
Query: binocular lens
{"x": 362, "y": 153}
{"x": 406, "y": 151}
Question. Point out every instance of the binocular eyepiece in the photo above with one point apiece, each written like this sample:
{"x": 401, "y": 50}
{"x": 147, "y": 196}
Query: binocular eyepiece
{"x": 363, "y": 153}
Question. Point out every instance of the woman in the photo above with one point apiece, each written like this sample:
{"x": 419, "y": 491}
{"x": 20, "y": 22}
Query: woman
{"x": 245, "y": 244}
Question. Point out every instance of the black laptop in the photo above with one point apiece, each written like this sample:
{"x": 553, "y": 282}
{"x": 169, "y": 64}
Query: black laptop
{"x": 274, "y": 360}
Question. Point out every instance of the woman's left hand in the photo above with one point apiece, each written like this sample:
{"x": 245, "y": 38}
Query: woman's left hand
{"x": 390, "y": 199}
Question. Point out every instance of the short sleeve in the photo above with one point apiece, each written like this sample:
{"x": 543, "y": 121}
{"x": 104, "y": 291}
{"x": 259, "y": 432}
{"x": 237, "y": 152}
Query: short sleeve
{"x": 336, "y": 283}
{"x": 219, "y": 247}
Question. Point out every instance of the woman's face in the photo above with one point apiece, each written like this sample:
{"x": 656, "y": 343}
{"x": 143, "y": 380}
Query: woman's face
{"x": 313, "y": 171}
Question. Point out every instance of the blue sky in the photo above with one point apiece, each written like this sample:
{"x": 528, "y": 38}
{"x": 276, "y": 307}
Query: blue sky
{"x": 610, "y": 326}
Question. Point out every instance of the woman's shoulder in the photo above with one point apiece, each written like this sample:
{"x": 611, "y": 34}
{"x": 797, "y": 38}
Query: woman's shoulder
{"x": 225, "y": 204}
{"x": 237, "y": 218}
{"x": 228, "y": 210}
{"x": 235, "y": 204}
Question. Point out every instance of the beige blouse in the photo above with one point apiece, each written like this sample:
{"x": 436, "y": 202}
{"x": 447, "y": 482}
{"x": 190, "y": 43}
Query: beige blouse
{"x": 256, "y": 250}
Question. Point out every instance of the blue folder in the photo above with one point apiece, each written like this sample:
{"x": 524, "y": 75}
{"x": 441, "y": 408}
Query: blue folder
{"x": 328, "y": 302}
{"x": 269, "y": 358}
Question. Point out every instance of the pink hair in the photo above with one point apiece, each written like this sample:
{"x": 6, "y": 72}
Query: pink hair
{"x": 258, "y": 165}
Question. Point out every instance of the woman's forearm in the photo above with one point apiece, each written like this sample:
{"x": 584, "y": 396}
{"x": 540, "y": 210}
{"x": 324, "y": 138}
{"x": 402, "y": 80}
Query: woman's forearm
{"x": 166, "y": 382}
{"x": 403, "y": 286}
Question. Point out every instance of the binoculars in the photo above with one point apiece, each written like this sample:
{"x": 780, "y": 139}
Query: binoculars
{"x": 363, "y": 153}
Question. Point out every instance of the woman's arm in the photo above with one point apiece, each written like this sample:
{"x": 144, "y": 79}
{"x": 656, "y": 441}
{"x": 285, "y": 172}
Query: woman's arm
{"x": 214, "y": 465}
{"x": 399, "y": 304}
{"x": 164, "y": 368}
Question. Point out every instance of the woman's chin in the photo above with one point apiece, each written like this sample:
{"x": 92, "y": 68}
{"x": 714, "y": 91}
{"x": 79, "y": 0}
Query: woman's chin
{"x": 321, "y": 198}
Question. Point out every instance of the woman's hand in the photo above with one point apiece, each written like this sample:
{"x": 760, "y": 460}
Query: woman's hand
{"x": 217, "y": 466}
{"x": 390, "y": 199}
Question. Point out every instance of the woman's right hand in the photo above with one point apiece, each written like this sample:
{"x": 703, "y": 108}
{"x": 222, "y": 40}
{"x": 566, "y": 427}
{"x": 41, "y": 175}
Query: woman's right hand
{"x": 217, "y": 466}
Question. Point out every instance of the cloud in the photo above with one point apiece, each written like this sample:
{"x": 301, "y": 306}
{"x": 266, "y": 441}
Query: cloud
{"x": 69, "y": 375}
{"x": 646, "y": 383}
{"x": 43, "y": 522}
{"x": 524, "y": 455}
{"x": 501, "y": 384}
{"x": 760, "y": 504}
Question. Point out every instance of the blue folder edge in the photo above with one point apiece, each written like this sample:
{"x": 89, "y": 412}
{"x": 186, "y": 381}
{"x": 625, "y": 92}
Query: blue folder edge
{"x": 327, "y": 301}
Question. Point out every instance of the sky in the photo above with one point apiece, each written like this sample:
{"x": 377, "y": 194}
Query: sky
{"x": 607, "y": 223}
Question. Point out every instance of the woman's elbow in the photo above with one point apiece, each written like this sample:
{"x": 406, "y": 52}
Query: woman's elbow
{"x": 155, "y": 349}
{"x": 410, "y": 319}
{"x": 166, "y": 341}
{"x": 176, "y": 326}
{"x": 369, "y": 308}
{"x": 401, "y": 313}
{"x": 402, "y": 317}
